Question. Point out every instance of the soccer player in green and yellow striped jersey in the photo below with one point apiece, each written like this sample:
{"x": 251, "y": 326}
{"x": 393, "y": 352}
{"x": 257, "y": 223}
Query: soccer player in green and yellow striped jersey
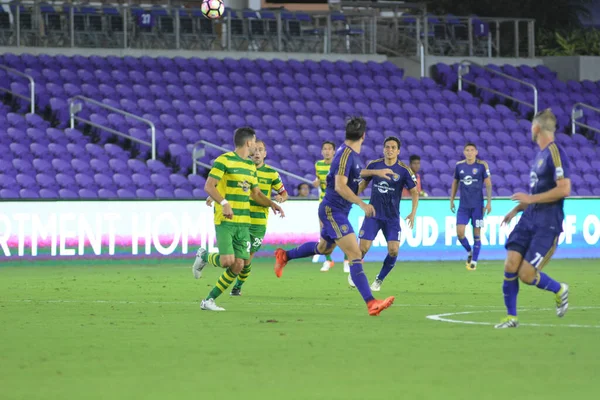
{"x": 231, "y": 183}
{"x": 268, "y": 181}
{"x": 321, "y": 170}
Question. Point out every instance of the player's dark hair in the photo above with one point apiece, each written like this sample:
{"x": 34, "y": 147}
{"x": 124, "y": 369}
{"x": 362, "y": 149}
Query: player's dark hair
{"x": 242, "y": 135}
{"x": 414, "y": 157}
{"x": 328, "y": 142}
{"x": 470, "y": 144}
{"x": 261, "y": 141}
{"x": 392, "y": 139}
{"x": 355, "y": 128}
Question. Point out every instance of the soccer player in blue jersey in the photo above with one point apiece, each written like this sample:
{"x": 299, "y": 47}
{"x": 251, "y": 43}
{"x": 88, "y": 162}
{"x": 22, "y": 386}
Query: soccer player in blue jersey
{"x": 533, "y": 241}
{"x": 342, "y": 185}
{"x": 385, "y": 198}
{"x": 471, "y": 174}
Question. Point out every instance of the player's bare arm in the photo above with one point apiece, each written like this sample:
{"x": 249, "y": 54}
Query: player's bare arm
{"x": 341, "y": 187}
{"x": 281, "y": 197}
{"x": 385, "y": 173}
{"x": 512, "y": 213}
{"x": 264, "y": 201}
{"x": 362, "y": 186}
{"x": 488, "y": 193}
{"x": 453, "y": 194}
{"x": 209, "y": 201}
{"x": 562, "y": 190}
{"x": 316, "y": 183}
{"x": 410, "y": 220}
{"x": 210, "y": 187}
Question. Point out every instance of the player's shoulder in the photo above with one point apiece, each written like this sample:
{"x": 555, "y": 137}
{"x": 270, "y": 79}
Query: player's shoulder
{"x": 267, "y": 169}
{"x": 461, "y": 162}
{"x": 405, "y": 167}
{"x": 482, "y": 162}
{"x": 372, "y": 163}
{"x": 557, "y": 153}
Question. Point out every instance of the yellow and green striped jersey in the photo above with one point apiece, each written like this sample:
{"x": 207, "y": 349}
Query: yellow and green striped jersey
{"x": 322, "y": 169}
{"x": 237, "y": 177}
{"x": 268, "y": 180}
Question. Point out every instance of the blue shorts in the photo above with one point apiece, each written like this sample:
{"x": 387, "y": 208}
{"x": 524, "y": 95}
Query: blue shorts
{"x": 536, "y": 245}
{"x": 371, "y": 227}
{"x": 475, "y": 215}
{"x": 335, "y": 223}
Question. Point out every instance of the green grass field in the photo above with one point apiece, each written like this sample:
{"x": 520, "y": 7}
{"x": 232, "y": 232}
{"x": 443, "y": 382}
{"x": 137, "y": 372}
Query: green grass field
{"x": 134, "y": 330}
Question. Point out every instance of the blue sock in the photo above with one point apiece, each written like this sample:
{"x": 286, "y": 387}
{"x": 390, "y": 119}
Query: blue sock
{"x": 388, "y": 264}
{"x": 511, "y": 290}
{"x": 476, "y": 248}
{"x": 465, "y": 243}
{"x": 360, "y": 280}
{"x": 544, "y": 282}
{"x": 305, "y": 250}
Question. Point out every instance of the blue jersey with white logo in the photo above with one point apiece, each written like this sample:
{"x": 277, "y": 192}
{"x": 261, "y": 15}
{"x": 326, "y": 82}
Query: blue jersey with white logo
{"x": 345, "y": 162}
{"x": 470, "y": 178}
{"x": 550, "y": 165}
{"x": 386, "y": 194}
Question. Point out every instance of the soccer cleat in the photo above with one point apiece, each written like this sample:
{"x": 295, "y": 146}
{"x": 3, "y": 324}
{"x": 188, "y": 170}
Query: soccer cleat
{"x": 280, "y": 261}
{"x": 472, "y": 266}
{"x": 236, "y": 292}
{"x": 377, "y": 306}
{"x": 376, "y": 285}
{"x": 210, "y": 305}
{"x": 350, "y": 281}
{"x": 562, "y": 300}
{"x": 347, "y": 266}
{"x": 508, "y": 322}
{"x": 199, "y": 263}
{"x": 316, "y": 258}
{"x": 327, "y": 265}
{"x": 469, "y": 259}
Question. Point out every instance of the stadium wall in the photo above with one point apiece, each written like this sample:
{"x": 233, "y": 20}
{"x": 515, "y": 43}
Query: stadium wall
{"x": 67, "y": 51}
{"x": 577, "y": 68}
{"x": 152, "y": 229}
{"x": 412, "y": 65}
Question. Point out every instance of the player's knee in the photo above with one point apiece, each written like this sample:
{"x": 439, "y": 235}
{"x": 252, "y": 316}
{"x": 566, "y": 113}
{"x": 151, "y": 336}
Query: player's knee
{"x": 510, "y": 266}
{"x": 324, "y": 248}
{"x": 227, "y": 261}
{"x": 527, "y": 275}
{"x": 237, "y": 266}
{"x": 393, "y": 252}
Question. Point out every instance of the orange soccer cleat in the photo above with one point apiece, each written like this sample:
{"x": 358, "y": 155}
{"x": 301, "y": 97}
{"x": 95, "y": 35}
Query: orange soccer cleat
{"x": 280, "y": 261}
{"x": 377, "y": 306}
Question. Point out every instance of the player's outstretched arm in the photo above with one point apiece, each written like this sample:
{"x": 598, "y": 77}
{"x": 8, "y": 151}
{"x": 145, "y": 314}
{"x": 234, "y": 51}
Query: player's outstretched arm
{"x": 264, "y": 201}
{"x": 341, "y": 187}
{"x": 562, "y": 190}
{"x": 385, "y": 173}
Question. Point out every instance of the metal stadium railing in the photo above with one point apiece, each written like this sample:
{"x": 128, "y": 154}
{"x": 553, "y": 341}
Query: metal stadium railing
{"x": 366, "y": 28}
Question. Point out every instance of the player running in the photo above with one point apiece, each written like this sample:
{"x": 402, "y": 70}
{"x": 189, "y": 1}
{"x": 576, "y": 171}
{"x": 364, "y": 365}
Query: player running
{"x": 472, "y": 173}
{"x": 533, "y": 241}
{"x": 268, "y": 181}
{"x": 231, "y": 182}
{"x": 321, "y": 170}
{"x": 385, "y": 198}
{"x": 342, "y": 185}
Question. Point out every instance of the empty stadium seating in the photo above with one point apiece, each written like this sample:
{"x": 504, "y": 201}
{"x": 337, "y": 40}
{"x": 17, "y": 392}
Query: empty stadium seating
{"x": 293, "y": 105}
